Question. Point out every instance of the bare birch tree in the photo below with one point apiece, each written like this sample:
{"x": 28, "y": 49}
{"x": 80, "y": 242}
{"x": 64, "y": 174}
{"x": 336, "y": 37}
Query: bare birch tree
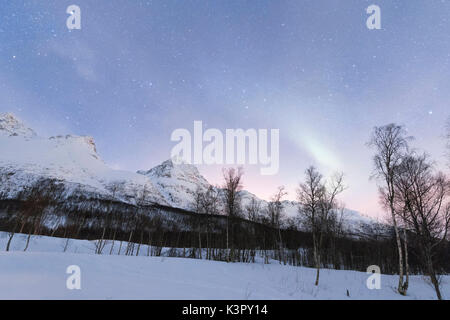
{"x": 422, "y": 198}
{"x": 232, "y": 204}
{"x": 210, "y": 206}
{"x": 36, "y": 199}
{"x": 106, "y": 219}
{"x": 253, "y": 210}
{"x": 390, "y": 143}
{"x": 317, "y": 200}
{"x": 275, "y": 215}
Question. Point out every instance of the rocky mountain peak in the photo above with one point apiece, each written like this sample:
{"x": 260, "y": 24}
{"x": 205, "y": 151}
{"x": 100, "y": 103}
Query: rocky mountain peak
{"x": 175, "y": 169}
{"x": 10, "y": 125}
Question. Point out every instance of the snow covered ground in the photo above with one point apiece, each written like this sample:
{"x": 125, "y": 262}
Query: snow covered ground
{"x": 40, "y": 273}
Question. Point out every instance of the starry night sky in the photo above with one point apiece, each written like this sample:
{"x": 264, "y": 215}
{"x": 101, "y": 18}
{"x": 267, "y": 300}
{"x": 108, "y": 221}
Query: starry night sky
{"x": 137, "y": 70}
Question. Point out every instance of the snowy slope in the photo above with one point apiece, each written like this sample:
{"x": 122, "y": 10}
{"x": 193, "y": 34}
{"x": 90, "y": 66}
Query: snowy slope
{"x": 40, "y": 273}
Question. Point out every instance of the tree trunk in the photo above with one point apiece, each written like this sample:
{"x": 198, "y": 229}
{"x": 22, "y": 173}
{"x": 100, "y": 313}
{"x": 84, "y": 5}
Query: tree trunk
{"x": 432, "y": 273}
{"x": 316, "y": 258}
{"x": 280, "y": 247}
{"x": 317, "y": 269}
{"x": 113, "y": 241}
{"x": 140, "y": 242}
{"x": 149, "y": 244}
{"x": 9, "y": 241}
{"x": 128, "y": 244}
{"x": 405, "y": 243}
{"x": 400, "y": 253}
{"x": 100, "y": 244}
{"x": 120, "y": 248}
{"x": 228, "y": 247}
{"x": 28, "y": 241}
{"x": 66, "y": 245}
{"x": 436, "y": 286}
{"x": 200, "y": 244}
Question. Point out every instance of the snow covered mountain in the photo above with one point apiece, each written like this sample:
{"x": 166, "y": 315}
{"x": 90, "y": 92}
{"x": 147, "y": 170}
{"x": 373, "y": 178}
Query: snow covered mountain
{"x": 177, "y": 183}
{"x": 25, "y": 157}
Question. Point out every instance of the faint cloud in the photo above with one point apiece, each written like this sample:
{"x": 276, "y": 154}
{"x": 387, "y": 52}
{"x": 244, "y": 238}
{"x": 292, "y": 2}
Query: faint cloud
{"x": 79, "y": 54}
{"x": 321, "y": 153}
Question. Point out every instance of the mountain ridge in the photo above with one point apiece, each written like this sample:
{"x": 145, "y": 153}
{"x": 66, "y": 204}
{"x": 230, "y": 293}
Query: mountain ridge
{"x": 74, "y": 160}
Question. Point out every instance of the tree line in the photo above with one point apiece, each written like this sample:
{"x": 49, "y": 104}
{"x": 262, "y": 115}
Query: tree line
{"x": 219, "y": 226}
